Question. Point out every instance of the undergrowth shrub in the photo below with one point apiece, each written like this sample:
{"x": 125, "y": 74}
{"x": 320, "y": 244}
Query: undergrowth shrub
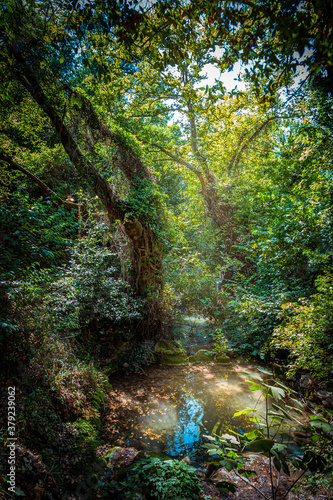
{"x": 77, "y": 385}
{"x": 307, "y": 332}
{"x": 270, "y": 437}
{"x": 154, "y": 478}
{"x": 59, "y": 412}
{"x": 87, "y": 292}
{"x": 137, "y": 356}
{"x": 33, "y": 232}
{"x": 321, "y": 438}
{"x": 248, "y": 318}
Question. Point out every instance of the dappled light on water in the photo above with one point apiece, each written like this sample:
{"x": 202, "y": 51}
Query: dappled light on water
{"x": 174, "y": 407}
{"x": 170, "y": 409}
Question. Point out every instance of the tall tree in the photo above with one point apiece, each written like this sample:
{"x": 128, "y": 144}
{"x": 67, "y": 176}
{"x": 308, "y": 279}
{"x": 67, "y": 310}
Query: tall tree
{"x": 32, "y": 42}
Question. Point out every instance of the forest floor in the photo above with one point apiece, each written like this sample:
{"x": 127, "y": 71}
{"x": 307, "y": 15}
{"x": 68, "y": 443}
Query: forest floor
{"x": 130, "y": 398}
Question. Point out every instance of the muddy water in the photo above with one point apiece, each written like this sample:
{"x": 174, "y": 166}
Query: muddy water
{"x": 191, "y": 403}
{"x": 169, "y": 409}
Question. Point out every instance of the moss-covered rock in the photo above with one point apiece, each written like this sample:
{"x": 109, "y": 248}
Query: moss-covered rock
{"x": 168, "y": 352}
{"x": 201, "y": 355}
{"x": 173, "y": 359}
{"x": 164, "y": 346}
{"x": 222, "y": 359}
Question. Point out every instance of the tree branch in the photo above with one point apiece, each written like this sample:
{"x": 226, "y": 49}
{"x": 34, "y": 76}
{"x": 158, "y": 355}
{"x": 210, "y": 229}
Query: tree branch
{"x": 100, "y": 186}
{"x": 126, "y": 158}
{"x": 175, "y": 158}
{"x": 236, "y": 157}
{"x": 250, "y": 484}
{"x": 15, "y": 166}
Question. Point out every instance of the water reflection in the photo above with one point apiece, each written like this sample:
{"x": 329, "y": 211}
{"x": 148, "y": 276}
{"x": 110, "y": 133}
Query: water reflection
{"x": 192, "y": 403}
{"x": 171, "y": 408}
{"x": 187, "y": 434}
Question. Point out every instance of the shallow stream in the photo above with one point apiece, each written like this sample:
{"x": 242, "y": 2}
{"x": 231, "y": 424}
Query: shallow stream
{"x": 169, "y": 409}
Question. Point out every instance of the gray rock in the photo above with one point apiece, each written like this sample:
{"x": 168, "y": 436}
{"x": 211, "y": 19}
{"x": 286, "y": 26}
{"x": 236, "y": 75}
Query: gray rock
{"x": 326, "y": 398}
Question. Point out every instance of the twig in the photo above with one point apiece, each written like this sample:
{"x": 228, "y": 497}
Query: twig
{"x": 277, "y": 484}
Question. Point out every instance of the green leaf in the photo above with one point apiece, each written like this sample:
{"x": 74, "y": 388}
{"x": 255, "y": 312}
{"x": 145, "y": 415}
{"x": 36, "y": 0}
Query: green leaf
{"x": 210, "y": 446}
{"x": 250, "y": 375}
{"x": 277, "y": 464}
{"x": 285, "y": 467}
{"x": 243, "y": 412}
{"x": 275, "y": 417}
{"x": 259, "y": 445}
{"x": 323, "y": 426}
{"x": 280, "y": 409}
{"x": 277, "y": 393}
{"x": 284, "y": 387}
{"x": 229, "y": 464}
{"x": 252, "y": 434}
{"x": 211, "y": 438}
{"x": 236, "y": 433}
{"x": 263, "y": 370}
{"x": 279, "y": 447}
{"x": 225, "y": 487}
{"x": 19, "y": 492}
{"x": 285, "y": 413}
{"x": 314, "y": 462}
{"x": 317, "y": 417}
{"x": 229, "y": 437}
{"x": 292, "y": 408}
{"x": 256, "y": 387}
{"x": 247, "y": 473}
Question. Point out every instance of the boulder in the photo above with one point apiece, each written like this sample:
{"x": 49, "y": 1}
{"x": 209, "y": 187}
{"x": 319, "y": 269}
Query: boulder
{"x": 326, "y": 398}
{"x": 308, "y": 383}
{"x": 173, "y": 359}
{"x": 163, "y": 346}
{"x": 121, "y": 457}
{"x": 222, "y": 359}
{"x": 170, "y": 353}
{"x": 201, "y": 355}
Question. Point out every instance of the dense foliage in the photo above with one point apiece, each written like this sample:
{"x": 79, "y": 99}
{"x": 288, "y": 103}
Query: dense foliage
{"x": 134, "y": 189}
{"x": 154, "y": 478}
{"x": 279, "y": 413}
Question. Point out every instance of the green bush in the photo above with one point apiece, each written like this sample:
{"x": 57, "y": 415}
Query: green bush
{"x": 248, "y": 319}
{"x": 156, "y": 478}
{"x": 307, "y": 332}
{"x": 220, "y": 342}
{"x": 33, "y": 232}
{"x": 87, "y": 292}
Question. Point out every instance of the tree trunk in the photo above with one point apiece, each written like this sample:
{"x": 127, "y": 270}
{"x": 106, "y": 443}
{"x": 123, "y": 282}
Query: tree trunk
{"x": 146, "y": 252}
